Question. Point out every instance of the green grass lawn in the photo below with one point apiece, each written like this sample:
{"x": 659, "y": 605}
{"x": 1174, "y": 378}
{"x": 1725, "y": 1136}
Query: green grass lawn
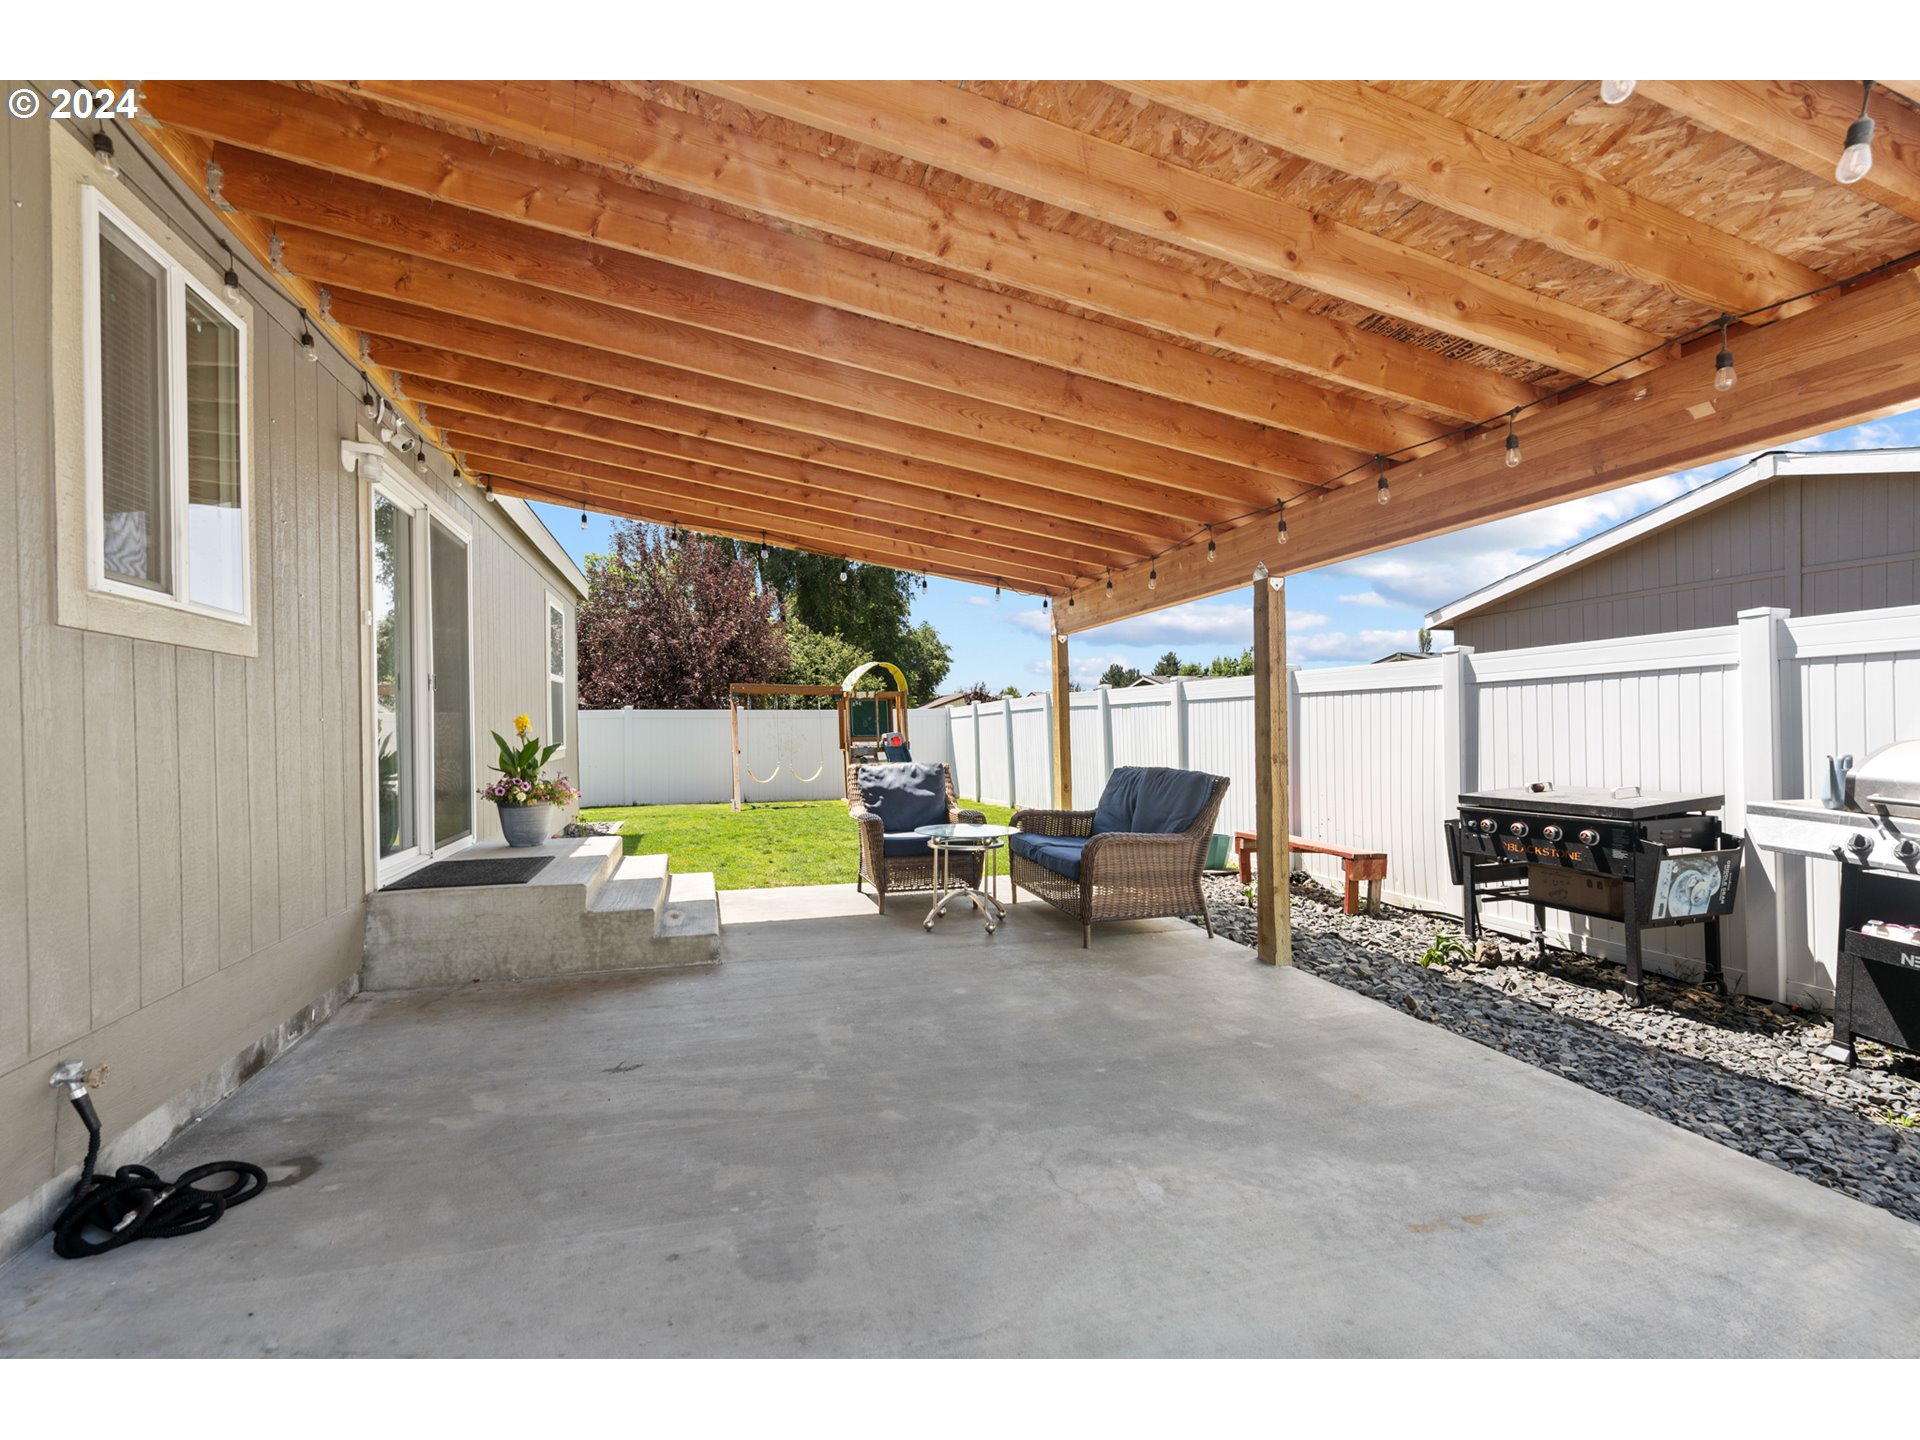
{"x": 802, "y": 842}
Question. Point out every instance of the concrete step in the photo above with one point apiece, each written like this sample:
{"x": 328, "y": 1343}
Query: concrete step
{"x": 637, "y": 884}
{"x": 691, "y": 911}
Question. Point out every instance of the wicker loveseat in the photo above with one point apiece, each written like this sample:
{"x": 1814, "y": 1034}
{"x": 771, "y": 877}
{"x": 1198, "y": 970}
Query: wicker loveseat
{"x": 1138, "y": 853}
{"x": 887, "y": 802}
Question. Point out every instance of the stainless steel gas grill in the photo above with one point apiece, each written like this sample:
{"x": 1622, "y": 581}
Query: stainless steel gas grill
{"x": 1646, "y": 858}
{"x": 1868, "y": 819}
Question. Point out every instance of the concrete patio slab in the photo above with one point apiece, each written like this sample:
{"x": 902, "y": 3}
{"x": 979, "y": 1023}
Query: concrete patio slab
{"x": 856, "y": 1138}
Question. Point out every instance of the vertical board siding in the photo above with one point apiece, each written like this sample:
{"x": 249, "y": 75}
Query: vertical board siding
{"x": 181, "y": 814}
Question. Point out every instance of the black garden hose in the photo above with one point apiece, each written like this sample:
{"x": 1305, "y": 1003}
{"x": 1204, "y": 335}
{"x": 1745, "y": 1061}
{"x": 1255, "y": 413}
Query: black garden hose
{"x": 136, "y": 1204}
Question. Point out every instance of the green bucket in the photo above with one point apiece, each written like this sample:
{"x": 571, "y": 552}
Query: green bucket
{"x": 1219, "y": 852}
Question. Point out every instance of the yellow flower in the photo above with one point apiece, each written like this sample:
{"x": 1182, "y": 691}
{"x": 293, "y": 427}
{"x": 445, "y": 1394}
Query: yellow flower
{"x": 521, "y": 725}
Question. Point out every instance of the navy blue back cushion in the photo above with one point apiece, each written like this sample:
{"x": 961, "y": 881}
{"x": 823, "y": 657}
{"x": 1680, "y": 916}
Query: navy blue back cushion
{"x": 1114, "y": 814}
{"x": 905, "y": 797}
{"x": 1151, "y": 800}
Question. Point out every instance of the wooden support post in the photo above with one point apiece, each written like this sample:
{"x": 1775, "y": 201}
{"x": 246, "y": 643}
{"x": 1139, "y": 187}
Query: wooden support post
{"x": 1271, "y": 810}
{"x": 1062, "y": 729}
{"x": 733, "y": 714}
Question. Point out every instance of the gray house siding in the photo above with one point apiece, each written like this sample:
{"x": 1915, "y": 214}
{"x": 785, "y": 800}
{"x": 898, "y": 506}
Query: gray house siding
{"x": 1815, "y": 545}
{"x": 185, "y": 843}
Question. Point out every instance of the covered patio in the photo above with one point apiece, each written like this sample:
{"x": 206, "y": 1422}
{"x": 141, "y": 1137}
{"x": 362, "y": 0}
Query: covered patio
{"x": 853, "y": 1138}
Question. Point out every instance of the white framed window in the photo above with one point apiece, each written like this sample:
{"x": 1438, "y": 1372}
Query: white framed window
{"x": 165, "y": 366}
{"x": 556, "y": 652}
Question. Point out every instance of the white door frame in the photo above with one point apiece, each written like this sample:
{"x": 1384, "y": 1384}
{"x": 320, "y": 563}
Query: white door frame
{"x": 380, "y": 477}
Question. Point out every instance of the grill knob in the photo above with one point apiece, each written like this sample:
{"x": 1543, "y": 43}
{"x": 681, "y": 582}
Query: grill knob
{"x": 1553, "y": 832}
{"x": 1486, "y": 827}
{"x": 1907, "y": 850}
{"x": 1518, "y": 829}
{"x": 1589, "y": 837}
{"x": 1859, "y": 842}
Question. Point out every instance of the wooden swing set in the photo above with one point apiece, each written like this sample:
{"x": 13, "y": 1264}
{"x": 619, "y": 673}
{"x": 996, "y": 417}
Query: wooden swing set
{"x": 856, "y": 743}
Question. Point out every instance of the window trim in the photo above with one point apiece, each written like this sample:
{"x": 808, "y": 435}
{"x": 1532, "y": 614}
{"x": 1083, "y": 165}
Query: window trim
{"x": 554, "y": 604}
{"x": 94, "y": 206}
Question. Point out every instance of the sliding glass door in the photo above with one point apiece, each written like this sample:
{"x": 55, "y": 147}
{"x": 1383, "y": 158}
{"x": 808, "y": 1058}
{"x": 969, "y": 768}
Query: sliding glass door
{"x": 422, "y": 681}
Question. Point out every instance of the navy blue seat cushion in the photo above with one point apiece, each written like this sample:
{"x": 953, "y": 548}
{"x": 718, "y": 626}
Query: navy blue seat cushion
{"x": 897, "y": 844}
{"x": 904, "y": 797}
{"x": 1058, "y": 853}
{"x": 1151, "y": 800}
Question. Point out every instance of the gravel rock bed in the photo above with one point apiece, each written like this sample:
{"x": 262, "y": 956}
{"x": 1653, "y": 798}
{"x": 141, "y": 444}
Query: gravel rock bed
{"x": 1744, "y": 1073}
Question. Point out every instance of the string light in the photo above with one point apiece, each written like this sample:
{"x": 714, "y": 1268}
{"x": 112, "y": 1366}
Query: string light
{"x": 583, "y": 517}
{"x": 1279, "y": 509}
{"x": 1213, "y": 552}
{"x": 1513, "y": 440}
{"x": 1043, "y": 602}
{"x": 763, "y": 544}
{"x": 307, "y": 347}
{"x": 103, "y": 154}
{"x": 1380, "y": 485}
{"x": 1070, "y": 600}
{"x": 369, "y": 406}
{"x": 843, "y": 569}
{"x": 996, "y": 590}
{"x": 1615, "y": 92}
{"x": 1109, "y": 582}
{"x": 1153, "y": 578}
{"x": 232, "y": 278}
{"x": 1723, "y": 372}
{"x": 1857, "y": 158}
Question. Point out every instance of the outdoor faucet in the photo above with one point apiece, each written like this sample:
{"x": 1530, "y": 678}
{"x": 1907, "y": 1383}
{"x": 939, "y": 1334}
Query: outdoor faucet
{"x": 78, "y": 1077}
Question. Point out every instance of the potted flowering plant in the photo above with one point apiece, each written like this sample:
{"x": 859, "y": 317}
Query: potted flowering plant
{"x": 524, "y": 796}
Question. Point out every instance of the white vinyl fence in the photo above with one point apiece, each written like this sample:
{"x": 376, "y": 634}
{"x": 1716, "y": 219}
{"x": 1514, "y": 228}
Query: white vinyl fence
{"x": 685, "y": 757}
{"x": 1379, "y": 753}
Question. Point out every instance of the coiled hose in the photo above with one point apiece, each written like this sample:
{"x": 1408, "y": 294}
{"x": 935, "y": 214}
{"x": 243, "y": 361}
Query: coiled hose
{"x": 136, "y": 1204}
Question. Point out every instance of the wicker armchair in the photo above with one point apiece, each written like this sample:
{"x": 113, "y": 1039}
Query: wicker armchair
{"x": 1117, "y": 874}
{"x": 904, "y": 872}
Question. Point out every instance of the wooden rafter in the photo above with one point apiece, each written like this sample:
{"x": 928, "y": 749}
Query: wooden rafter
{"x": 1804, "y": 122}
{"x": 406, "y": 170}
{"x": 1151, "y": 508}
{"x": 1848, "y": 361}
{"x": 991, "y": 143}
{"x": 347, "y": 266}
{"x": 612, "y": 128}
{"x": 1362, "y": 130}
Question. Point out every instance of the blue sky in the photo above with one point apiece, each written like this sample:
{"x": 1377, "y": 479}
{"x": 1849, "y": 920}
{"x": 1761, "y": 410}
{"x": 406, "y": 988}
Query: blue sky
{"x": 1342, "y": 615}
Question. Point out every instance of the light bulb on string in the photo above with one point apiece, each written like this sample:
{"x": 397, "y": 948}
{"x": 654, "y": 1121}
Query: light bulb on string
{"x": 1109, "y": 582}
{"x": 103, "y": 153}
{"x": 1616, "y": 92}
{"x": 1043, "y": 602}
{"x": 1153, "y": 578}
{"x": 1280, "y": 525}
{"x": 1724, "y": 375}
{"x": 843, "y": 569}
{"x": 307, "y": 347}
{"x": 1380, "y": 485}
{"x": 763, "y": 544}
{"x": 1513, "y": 442}
{"x": 996, "y": 590}
{"x": 369, "y": 406}
{"x": 231, "y": 279}
{"x": 1857, "y": 158}
{"x": 1213, "y": 551}
{"x": 583, "y": 520}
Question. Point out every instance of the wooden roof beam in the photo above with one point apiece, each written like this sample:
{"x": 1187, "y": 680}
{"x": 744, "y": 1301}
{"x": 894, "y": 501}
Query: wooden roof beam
{"x": 828, "y": 529}
{"x": 613, "y": 128}
{"x": 1849, "y": 361}
{"x": 1365, "y": 131}
{"x": 768, "y": 480}
{"x": 1148, "y": 508}
{"x": 994, "y": 144}
{"x": 365, "y": 214}
{"x": 348, "y": 265}
{"x": 462, "y": 382}
{"x": 411, "y": 162}
{"x": 1804, "y": 122}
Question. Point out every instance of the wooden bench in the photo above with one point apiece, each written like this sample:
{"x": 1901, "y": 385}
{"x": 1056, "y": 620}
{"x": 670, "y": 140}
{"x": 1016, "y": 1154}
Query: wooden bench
{"x": 1355, "y": 865}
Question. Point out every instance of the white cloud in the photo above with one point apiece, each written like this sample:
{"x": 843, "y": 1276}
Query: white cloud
{"x": 1202, "y": 620}
{"x": 977, "y": 599}
{"x": 1356, "y": 648}
{"x": 1034, "y": 622}
{"x": 1367, "y": 597}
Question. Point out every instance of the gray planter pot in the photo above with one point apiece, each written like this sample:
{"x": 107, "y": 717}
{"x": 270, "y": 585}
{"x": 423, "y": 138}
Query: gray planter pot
{"x": 526, "y": 824}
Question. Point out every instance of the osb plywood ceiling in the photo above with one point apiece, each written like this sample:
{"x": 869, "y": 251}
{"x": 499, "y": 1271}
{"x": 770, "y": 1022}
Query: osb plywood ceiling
{"x": 1042, "y": 332}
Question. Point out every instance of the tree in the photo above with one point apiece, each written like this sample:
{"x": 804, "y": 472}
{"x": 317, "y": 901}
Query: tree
{"x": 1426, "y": 641}
{"x": 1167, "y": 664}
{"x": 871, "y": 609}
{"x": 1119, "y": 676}
{"x": 1012, "y": 692}
{"x": 669, "y": 628}
{"x": 1241, "y": 664}
{"x": 816, "y": 659}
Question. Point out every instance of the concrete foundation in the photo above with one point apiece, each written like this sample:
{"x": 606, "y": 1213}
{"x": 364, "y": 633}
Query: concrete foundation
{"x": 591, "y": 910}
{"x": 858, "y": 1138}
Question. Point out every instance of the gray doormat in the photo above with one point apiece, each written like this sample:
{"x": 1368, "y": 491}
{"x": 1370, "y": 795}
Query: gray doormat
{"x": 457, "y": 874}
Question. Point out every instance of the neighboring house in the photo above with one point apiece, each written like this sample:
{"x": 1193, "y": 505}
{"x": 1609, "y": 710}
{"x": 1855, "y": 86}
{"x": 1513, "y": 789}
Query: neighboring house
{"x": 257, "y": 655}
{"x": 1149, "y": 680}
{"x": 1811, "y": 532}
{"x": 1399, "y": 655}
